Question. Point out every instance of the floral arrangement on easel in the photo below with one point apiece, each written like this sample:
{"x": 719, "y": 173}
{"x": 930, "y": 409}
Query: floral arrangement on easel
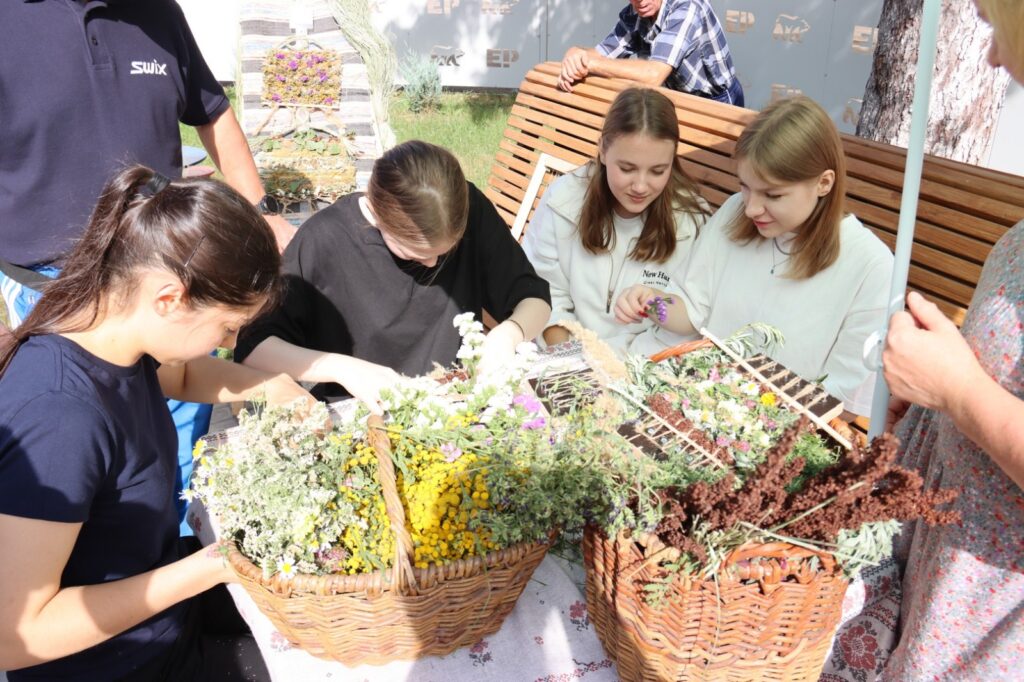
{"x": 305, "y": 162}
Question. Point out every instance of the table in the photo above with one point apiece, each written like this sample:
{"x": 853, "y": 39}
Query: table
{"x": 548, "y": 637}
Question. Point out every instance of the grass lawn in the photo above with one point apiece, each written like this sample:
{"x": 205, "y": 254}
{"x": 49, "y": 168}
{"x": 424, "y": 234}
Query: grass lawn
{"x": 469, "y": 124}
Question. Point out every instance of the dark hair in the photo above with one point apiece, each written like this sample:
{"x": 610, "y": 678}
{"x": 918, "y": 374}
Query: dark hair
{"x": 646, "y": 111}
{"x": 419, "y": 195}
{"x": 202, "y": 231}
{"x": 795, "y": 140}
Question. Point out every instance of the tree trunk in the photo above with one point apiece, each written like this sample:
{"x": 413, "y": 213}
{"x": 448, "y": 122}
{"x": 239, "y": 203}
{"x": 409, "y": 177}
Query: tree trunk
{"x": 967, "y": 94}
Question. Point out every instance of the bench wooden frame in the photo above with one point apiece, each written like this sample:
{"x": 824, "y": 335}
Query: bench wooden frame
{"x": 963, "y": 210}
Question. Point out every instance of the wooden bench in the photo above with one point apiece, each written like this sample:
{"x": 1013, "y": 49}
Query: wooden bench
{"x": 962, "y": 210}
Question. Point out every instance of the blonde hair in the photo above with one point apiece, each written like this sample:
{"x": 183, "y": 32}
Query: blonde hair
{"x": 794, "y": 140}
{"x": 648, "y": 112}
{"x": 1007, "y": 20}
{"x": 419, "y": 195}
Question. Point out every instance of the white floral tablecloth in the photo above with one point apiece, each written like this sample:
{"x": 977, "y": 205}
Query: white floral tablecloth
{"x": 548, "y": 637}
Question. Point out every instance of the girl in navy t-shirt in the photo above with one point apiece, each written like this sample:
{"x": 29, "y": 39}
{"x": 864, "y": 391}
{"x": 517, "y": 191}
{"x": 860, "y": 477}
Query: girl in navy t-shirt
{"x": 93, "y": 582}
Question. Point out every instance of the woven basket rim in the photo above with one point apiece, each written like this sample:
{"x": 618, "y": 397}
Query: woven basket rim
{"x": 828, "y": 567}
{"x": 344, "y": 583}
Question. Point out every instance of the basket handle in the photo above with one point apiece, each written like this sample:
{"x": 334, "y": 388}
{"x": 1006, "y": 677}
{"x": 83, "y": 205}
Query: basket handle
{"x": 777, "y": 550}
{"x": 402, "y": 575}
{"x": 681, "y": 349}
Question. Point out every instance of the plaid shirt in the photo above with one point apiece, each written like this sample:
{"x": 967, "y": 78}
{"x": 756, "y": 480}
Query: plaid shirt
{"x": 685, "y": 35}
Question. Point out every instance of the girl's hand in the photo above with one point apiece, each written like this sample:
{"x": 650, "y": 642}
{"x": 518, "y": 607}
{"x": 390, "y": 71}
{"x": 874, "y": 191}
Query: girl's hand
{"x": 556, "y": 334}
{"x": 499, "y": 347}
{"x": 215, "y": 560}
{"x": 365, "y": 380}
{"x": 283, "y": 390}
{"x": 926, "y": 361}
{"x": 631, "y": 306}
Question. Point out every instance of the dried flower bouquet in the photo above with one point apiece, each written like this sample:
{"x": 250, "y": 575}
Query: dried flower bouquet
{"x": 479, "y": 465}
{"x": 727, "y": 461}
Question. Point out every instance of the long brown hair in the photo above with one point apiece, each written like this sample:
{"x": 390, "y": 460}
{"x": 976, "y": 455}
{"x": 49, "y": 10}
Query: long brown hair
{"x": 646, "y": 111}
{"x": 794, "y": 140}
{"x": 202, "y": 231}
{"x": 419, "y": 195}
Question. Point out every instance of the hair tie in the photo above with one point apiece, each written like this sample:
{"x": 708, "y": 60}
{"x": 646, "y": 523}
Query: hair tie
{"x": 153, "y": 186}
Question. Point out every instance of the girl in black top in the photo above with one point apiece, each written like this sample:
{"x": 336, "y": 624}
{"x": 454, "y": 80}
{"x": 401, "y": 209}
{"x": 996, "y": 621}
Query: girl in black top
{"x": 374, "y": 281}
{"x": 94, "y": 583}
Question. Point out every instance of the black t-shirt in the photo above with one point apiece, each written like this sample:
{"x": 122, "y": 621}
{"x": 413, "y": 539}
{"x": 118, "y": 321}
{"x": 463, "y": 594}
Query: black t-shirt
{"x": 85, "y": 441}
{"x": 346, "y": 293}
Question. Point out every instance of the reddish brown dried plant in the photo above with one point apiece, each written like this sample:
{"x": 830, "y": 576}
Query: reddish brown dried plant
{"x": 866, "y": 485}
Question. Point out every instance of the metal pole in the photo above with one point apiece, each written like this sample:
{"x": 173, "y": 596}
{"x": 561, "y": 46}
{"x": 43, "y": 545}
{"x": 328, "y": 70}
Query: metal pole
{"x": 911, "y": 191}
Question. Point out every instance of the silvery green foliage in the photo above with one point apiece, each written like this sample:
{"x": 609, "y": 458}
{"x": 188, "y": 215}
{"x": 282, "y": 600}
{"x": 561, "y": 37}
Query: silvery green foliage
{"x": 422, "y": 82}
{"x": 756, "y": 337}
{"x": 269, "y": 488}
{"x": 866, "y": 546}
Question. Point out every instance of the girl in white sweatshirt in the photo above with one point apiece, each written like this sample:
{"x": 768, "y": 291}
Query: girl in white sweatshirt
{"x": 784, "y": 252}
{"x": 629, "y": 217}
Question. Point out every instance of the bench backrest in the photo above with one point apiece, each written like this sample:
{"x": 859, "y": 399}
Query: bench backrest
{"x": 962, "y": 210}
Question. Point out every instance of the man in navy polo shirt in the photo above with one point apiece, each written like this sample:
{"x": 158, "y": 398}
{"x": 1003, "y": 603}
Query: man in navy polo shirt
{"x": 86, "y": 87}
{"x": 678, "y": 44}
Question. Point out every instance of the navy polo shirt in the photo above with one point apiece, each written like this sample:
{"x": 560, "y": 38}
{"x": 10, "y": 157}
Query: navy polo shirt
{"x": 85, "y": 88}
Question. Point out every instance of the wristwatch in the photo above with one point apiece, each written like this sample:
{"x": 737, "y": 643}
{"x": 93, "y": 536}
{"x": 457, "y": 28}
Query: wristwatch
{"x": 269, "y": 205}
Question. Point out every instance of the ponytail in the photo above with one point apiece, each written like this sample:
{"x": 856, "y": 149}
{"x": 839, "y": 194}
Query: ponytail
{"x": 202, "y": 231}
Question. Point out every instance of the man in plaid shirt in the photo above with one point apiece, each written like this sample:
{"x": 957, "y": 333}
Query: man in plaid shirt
{"x": 679, "y": 44}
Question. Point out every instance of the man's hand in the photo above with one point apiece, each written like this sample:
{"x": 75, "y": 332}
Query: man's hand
{"x": 926, "y": 361}
{"x": 575, "y": 67}
{"x": 284, "y": 231}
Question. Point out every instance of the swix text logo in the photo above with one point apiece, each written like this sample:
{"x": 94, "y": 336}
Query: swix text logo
{"x": 154, "y": 67}
{"x": 738, "y": 22}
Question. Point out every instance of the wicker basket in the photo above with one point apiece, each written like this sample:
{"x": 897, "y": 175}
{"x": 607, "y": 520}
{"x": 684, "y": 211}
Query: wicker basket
{"x": 401, "y": 614}
{"x": 770, "y": 620}
{"x": 773, "y": 619}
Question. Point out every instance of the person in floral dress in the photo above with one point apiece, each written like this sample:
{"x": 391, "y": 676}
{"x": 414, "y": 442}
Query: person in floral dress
{"x": 962, "y": 610}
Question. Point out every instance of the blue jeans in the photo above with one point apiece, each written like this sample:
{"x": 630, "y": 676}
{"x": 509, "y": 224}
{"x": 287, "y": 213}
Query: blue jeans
{"x": 192, "y": 420}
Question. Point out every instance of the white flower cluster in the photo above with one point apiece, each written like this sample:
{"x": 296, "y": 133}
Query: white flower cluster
{"x": 485, "y": 395}
{"x": 473, "y": 337}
